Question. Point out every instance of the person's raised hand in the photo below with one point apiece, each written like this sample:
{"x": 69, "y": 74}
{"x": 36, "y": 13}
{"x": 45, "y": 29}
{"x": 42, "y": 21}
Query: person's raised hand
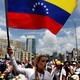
{"x": 9, "y": 51}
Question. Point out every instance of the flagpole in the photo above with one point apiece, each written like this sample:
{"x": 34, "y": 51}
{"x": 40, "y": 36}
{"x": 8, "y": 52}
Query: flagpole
{"x": 6, "y": 10}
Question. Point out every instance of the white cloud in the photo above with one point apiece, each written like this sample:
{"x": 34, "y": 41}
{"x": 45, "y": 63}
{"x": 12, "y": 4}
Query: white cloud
{"x": 2, "y": 24}
{"x": 2, "y": 21}
{"x": 3, "y": 34}
{"x": 68, "y": 47}
{"x": 78, "y": 33}
{"x": 68, "y": 32}
{"x": 48, "y": 43}
{"x": 78, "y": 5}
{"x": 22, "y": 38}
{"x": 69, "y": 41}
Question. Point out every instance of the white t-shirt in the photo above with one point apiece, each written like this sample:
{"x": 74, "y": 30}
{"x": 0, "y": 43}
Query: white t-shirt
{"x": 29, "y": 72}
{"x": 56, "y": 72}
{"x": 63, "y": 72}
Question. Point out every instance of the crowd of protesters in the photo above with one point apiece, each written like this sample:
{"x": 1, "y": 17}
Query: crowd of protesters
{"x": 41, "y": 69}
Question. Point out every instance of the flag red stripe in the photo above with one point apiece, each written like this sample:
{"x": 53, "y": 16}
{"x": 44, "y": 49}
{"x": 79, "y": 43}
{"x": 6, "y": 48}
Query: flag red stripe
{"x": 32, "y": 21}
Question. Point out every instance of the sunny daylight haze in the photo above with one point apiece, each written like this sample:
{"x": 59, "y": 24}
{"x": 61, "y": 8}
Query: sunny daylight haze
{"x": 46, "y": 41}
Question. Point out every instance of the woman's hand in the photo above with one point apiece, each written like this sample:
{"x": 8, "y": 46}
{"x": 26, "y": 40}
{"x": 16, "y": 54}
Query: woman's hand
{"x": 9, "y": 51}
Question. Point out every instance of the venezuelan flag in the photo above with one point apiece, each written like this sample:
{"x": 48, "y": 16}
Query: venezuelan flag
{"x": 38, "y": 14}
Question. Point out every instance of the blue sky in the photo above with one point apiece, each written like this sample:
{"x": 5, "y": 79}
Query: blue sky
{"x": 46, "y": 41}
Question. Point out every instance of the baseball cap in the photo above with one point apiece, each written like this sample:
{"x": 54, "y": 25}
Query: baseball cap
{"x": 58, "y": 63}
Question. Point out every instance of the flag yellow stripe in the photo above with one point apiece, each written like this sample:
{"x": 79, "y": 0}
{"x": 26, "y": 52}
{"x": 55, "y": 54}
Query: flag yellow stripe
{"x": 67, "y": 5}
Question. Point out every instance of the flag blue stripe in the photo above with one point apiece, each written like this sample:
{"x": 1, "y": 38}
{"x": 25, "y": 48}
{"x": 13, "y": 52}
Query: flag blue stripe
{"x": 39, "y": 7}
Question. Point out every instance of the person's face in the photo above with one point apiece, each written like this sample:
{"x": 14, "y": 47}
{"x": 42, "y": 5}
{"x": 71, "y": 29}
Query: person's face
{"x": 42, "y": 63}
{"x": 67, "y": 64}
{"x": 74, "y": 65}
{"x": 58, "y": 66}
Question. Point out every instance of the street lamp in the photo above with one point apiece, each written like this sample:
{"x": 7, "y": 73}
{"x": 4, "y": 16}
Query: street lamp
{"x": 75, "y": 26}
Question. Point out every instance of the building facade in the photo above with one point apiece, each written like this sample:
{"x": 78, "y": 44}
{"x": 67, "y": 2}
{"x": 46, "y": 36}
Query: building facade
{"x": 31, "y": 44}
{"x": 17, "y": 46}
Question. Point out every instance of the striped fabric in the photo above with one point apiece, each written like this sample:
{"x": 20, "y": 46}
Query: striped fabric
{"x": 38, "y": 14}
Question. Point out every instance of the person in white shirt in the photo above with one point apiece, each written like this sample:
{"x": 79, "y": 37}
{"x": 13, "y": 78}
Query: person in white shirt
{"x": 57, "y": 70}
{"x": 66, "y": 71}
{"x": 36, "y": 73}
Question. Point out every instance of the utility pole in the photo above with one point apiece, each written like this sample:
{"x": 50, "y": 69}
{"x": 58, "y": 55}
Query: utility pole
{"x": 75, "y": 26}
